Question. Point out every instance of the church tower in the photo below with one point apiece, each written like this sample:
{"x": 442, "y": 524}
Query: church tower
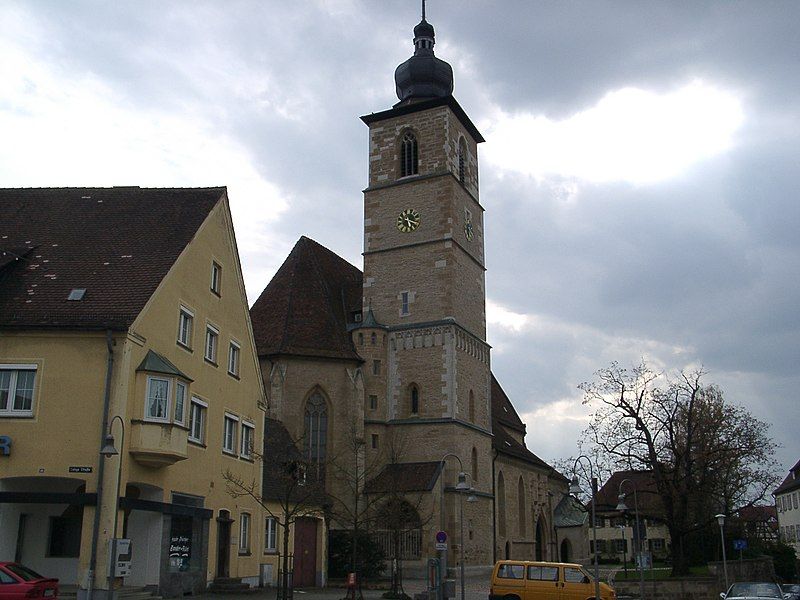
{"x": 424, "y": 287}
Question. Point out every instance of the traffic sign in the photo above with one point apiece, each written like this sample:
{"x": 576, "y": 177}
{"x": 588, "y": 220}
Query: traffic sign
{"x": 740, "y": 544}
{"x": 441, "y": 537}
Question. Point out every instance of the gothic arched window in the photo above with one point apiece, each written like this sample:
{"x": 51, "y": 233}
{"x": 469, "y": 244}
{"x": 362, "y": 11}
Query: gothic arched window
{"x": 521, "y": 506}
{"x": 501, "y": 505}
{"x": 414, "y": 400}
{"x": 462, "y": 160}
{"x": 474, "y": 465}
{"x": 409, "y": 159}
{"x": 316, "y": 435}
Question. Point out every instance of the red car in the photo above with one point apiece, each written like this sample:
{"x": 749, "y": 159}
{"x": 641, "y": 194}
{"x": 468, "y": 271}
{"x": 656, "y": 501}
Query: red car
{"x": 18, "y": 582}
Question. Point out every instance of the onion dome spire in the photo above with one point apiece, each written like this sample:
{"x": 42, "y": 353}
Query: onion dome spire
{"x": 423, "y": 75}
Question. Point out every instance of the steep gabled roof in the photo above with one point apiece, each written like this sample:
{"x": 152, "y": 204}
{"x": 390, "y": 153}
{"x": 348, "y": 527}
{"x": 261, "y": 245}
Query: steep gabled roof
{"x": 649, "y": 502}
{"x": 405, "y": 477}
{"x": 503, "y": 411}
{"x": 504, "y": 415}
{"x": 792, "y": 481}
{"x": 570, "y": 513}
{"x": 116, "y": 243}
{"x": 304, "y": 310}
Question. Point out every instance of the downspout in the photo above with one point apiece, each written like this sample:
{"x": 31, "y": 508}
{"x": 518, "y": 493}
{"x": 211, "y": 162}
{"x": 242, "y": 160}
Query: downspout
{"x": 101, "y": 464}
{"x": 494, "y": 511}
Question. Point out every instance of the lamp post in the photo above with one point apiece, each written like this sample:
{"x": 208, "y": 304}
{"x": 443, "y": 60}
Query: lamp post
{"x": 109, "y": 450}
{"x": 637, "y": 534}
{"x": 462, "y": 487}
{"x": 721, "y": 521}
{"x": 575, "y": 488}
{"x": 624, "y": 550}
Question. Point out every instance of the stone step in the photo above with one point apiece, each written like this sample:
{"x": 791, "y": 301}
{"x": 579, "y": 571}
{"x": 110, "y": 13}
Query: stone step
{"x": 125, "y": 593}
{"x": 230, "y": 585}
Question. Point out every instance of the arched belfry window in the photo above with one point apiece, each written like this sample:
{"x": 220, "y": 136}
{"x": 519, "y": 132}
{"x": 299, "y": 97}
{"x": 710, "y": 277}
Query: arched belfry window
{"x": 414, "y": 399}
{"x": 462, "y": 160}
{"x": 316, "y": 435}
{"x": 409, "y": 157}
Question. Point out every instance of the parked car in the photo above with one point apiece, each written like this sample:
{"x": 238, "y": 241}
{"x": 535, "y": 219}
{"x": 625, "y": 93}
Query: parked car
{"x": 18, "y": 582}
{"x": 527, "y": 580}
{"x": 793, "y": 589}
{"x": 752, "y": 591}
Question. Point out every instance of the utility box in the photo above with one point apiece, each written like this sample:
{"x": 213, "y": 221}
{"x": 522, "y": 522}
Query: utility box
{"x": 120, "y": 550}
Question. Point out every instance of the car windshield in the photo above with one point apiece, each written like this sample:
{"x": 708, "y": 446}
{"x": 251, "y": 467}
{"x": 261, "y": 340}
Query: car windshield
{"x": 755, "y": 590}
{"x": 23, "y": 573}
{"x": 791, "y": 587}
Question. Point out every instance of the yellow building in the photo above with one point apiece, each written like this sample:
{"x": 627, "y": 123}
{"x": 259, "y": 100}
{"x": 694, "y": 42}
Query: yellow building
{"x": 123, "y": 312}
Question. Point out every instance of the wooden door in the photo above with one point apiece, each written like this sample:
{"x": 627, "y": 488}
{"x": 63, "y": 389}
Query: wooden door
{"x": 223, "y": 543}
{"x": 305, "y": 553}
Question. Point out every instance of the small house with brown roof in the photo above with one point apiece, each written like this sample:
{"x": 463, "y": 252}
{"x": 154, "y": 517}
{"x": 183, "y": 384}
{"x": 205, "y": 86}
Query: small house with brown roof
{"x": 617, "y": 532}
{"x": 129, "y": 384}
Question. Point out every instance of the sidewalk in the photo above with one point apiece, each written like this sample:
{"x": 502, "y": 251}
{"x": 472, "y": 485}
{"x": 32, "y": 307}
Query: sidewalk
{"x": 475, "y": 589}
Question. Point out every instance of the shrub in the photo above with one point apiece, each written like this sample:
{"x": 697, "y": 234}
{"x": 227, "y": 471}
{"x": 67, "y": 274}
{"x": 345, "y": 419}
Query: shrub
{"x": 370, "y": 559}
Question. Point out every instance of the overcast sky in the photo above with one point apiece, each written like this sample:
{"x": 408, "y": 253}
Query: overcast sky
{"x": 640, "y": 173}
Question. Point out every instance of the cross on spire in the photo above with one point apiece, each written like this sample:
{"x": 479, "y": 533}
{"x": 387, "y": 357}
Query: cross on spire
{"x": 423, "y": 10}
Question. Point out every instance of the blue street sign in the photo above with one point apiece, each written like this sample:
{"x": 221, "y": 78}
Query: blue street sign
{"x": 740, "y": 544}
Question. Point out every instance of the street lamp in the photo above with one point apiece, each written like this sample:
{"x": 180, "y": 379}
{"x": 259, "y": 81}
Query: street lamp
{"x": 575, "y": 488}
{"x": 624, "y": 550}
{"x": 721, "y": 521}
{"x": 109, "y": 450}
{"x": 462, "y": 487}
{"x": 637, "y": 533}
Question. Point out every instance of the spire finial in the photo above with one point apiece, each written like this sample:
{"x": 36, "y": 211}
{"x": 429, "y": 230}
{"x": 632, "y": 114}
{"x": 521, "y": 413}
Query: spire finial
{"x": 423, "y": 10}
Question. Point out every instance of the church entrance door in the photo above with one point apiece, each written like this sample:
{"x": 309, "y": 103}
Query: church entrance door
{"x": 305, "y": 553}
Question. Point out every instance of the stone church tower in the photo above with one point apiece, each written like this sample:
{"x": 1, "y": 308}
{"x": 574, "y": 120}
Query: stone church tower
{"x": 424, "y": 281}
{"x": 383, "y": 377}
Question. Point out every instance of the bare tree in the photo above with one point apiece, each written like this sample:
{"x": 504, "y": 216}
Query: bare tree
{"x": 706, "y": 455}
{"x": 402, "y": 510}
{"x": 283, "y": 492}
{"x": 349, "y": 507}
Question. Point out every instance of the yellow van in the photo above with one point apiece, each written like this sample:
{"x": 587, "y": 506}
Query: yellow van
{"x": 524, "y": 580}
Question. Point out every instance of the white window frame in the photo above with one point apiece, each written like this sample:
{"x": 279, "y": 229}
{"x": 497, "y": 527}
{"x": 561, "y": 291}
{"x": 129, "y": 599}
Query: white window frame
{"x": 244, "y": 451}
{"x": 14, "y": 369}
{"x": 180, "y": 419}
{"x": 230, "y": 418}
{"x": 212, "y": 343}
{"x": 185, "y": 316}
{"x": 216, "y": 277}
{"x": 244, "y": 532}
{"x": 168, "y": 405}
{"x": 270, "y": 535}
{"x": 202, "y": 412}
{"x": 234, "y": 356}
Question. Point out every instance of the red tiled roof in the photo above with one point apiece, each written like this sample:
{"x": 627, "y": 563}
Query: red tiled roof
{"x": 116, "y": 243}
{"x": 758, "y": 514}
{"x": 305, "y": 308}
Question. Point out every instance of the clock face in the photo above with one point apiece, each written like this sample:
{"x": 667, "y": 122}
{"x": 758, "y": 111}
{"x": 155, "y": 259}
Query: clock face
{"x": 468, "y": 231}
{"x": 408, "y": 220}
